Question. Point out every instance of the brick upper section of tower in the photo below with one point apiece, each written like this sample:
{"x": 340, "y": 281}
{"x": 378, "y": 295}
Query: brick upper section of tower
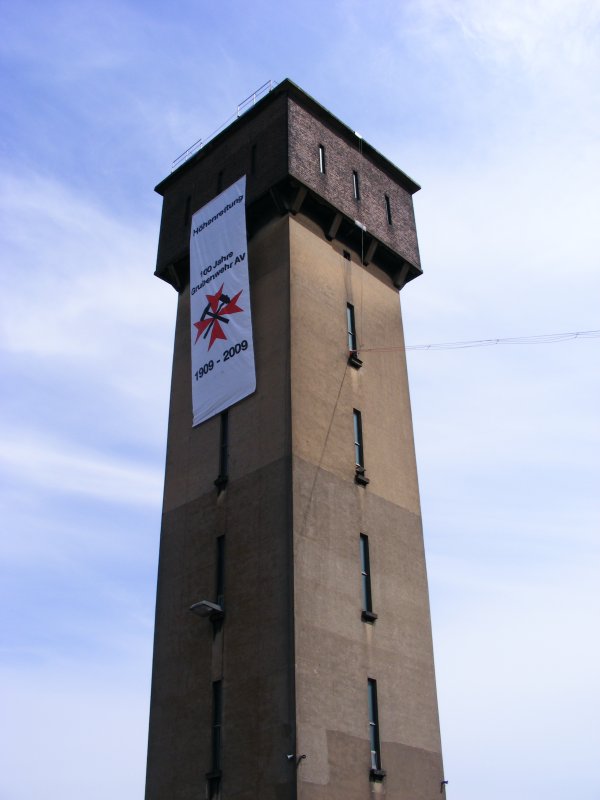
{"x": 297, "y": 157}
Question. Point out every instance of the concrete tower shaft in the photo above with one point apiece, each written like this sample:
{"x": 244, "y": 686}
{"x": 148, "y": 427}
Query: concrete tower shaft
{"x": 310, "y": 543}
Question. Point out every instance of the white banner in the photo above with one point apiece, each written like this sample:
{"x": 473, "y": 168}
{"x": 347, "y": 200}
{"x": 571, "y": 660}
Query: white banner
{"x": 222, "y": 348}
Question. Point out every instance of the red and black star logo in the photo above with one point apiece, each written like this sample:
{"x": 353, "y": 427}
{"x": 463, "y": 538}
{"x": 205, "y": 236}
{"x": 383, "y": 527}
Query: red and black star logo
{"x": 218, "y": 307}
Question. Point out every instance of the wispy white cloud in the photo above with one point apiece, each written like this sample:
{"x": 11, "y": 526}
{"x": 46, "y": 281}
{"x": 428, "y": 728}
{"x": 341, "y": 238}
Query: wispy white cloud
{"x": 79, "y": 304}
{"x": 539, "y": 34}
{"x": 78, "y": 278}
{"x": 55, "y": 467}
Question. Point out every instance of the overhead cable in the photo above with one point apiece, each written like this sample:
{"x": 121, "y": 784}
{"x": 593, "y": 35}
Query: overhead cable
{"x": 549, "y": 338}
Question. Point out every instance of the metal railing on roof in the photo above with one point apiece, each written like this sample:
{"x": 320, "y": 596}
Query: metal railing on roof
{"x": 242, "y": 107}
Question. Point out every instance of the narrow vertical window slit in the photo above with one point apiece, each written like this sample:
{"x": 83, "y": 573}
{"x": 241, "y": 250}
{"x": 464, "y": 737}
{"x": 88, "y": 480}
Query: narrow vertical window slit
{"x": 214, "y": 776}
{"x": 223, "y": 476}
{"x": 358, "y": 440}
{"x": 351, "y": 328}
{"x": 368, "y": 615}
{"x": 220, "y": 577}
{"x": 353, "y": 358}
{"x": 388, "y": 209}
{"x": 322, "y": 167}
{"x": 359, "y": 450}
{"x": 376, "y": 772}
{"x": 217, "y": 723}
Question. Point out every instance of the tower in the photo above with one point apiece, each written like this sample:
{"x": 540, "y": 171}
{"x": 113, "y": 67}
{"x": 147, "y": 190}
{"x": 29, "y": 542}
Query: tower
{"x": 293, "y": 654}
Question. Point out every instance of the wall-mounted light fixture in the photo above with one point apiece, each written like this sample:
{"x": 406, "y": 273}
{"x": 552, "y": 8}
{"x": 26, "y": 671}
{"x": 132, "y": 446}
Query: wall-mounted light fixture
{"x": 206, "y": 608}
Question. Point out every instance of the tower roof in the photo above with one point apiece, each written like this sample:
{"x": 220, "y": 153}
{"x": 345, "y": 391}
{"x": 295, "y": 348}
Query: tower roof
{"x": 291, "y": 89}
{"x": 298, "y": 157}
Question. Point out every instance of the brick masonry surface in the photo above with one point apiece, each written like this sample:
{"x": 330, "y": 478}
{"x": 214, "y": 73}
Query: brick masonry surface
{"x": 342, "y": 157}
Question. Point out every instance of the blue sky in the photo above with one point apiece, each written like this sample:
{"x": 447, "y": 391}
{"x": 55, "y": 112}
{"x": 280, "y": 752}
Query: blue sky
{"x": 493, "y": 108}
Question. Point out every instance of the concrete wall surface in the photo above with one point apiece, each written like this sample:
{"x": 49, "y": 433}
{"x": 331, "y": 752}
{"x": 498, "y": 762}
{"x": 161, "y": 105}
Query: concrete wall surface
{"x": 336, "y": 652}
{"x": 252, "y": 650}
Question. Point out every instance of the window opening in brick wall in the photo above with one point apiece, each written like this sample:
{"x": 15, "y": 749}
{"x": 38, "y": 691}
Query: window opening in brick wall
{"x": 388, "y": 209}
{"x": 355, "y": 185}
{"x": 321, "y": 159}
